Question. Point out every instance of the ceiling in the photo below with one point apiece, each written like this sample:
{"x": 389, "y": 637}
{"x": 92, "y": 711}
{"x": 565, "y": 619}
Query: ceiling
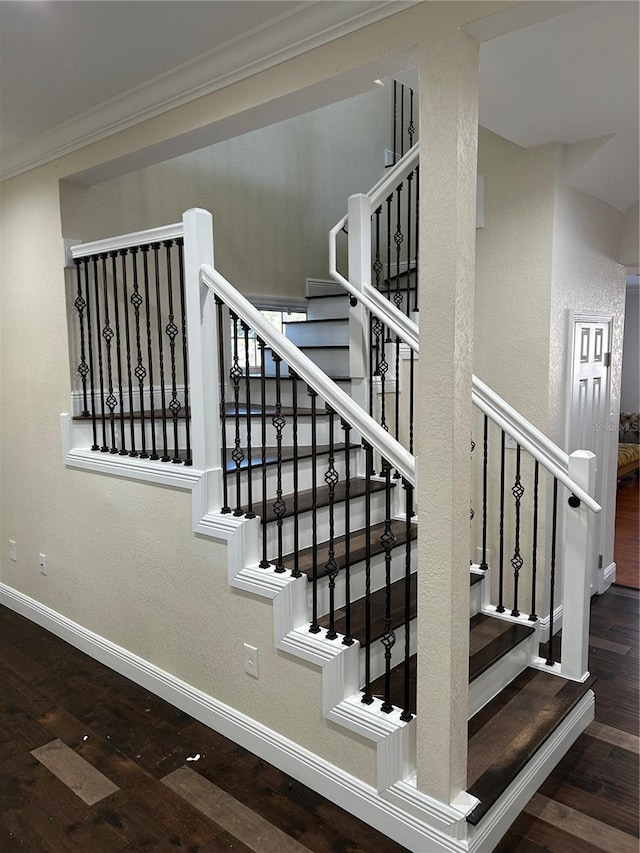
{"x": 71, "y": 72}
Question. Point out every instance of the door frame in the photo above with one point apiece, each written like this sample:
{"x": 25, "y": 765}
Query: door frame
{"x": 608, "y": 508}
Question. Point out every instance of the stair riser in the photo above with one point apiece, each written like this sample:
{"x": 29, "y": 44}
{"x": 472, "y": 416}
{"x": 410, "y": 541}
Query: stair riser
{"x": 358, "y": 580}
{"x": 332, "y": 362}
{"x": 334, "y": 333}
{"x": 503, "y": 671}
{"x": 328, "y": 308}
{"x": 304, "y": 431}
{"x": 286, "y": 393}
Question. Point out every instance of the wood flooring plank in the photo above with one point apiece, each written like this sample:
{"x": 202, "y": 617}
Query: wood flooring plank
{"x": 582, "y": 826}
{"x": 240, "y": 821}
{"x": 609, "y": 646}
{"x": 620, "y": 738}
{"x": 84, "y": 780}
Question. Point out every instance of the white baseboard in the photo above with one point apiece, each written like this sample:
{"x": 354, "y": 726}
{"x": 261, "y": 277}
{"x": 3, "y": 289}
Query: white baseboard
{"x": 608, "y": 577}
{"x": 404, "y": 814}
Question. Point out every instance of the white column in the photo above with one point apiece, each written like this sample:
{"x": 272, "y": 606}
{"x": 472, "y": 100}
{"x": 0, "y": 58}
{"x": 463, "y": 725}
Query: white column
{"x": 576, "y": 582}
{"x": 204, "y": 390}
{"x": 448, "y": 136}
{"x": 359, "y": 210}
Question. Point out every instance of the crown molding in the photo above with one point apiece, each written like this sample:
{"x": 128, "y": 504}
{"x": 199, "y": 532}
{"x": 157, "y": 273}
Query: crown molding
{"x": 308, "y": 26}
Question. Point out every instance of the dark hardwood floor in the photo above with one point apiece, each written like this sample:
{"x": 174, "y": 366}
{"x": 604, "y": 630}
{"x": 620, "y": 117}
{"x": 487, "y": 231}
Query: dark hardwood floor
{"x": 627, "y": 538}
{"x": 53, "y": 696}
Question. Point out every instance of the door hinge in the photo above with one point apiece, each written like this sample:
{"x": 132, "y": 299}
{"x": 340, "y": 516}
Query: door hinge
{"x": 607, "y": 359}
{"x": 600, "y": 561}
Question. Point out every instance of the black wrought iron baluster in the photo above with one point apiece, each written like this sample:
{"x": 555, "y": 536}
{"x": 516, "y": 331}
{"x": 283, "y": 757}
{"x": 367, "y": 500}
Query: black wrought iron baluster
{"x": 406, "y": 714}
{"x": 485, "y": 495}
{"x": 279, "y": 422}
{"x": 407, "y": 297}
{"x": 314, "y": 628}
{"x": 163, "y": 402}
{"x": 500, "y": 607}
{"x": 103, "y": 416}
{"x": 264, "y": 562}
{"x": 387, "y": 540}
{"x": 116, "y": 314}
{"x": 367, "y": 697}
{"x": 401, "y": 119}
{"x": 92, "y": 396}
{"x": 235, "y": 375}
{"x": 412, "y": 371}
{"x": 471, "y": 509}
{"x": 534, "y": 548}
{"x": 80, "y": 304}
{"x": 389, "y": 202}
{"x": 140, "y": 370}
{"x": 411, "y": 129}
{"x": 552, "y": 573}
{"x": 172, "y": 331}
{"x": 107, "y": 334}
{"x": 395, "y": 120}
{"x": 516, "y": 561}
{"x": 331, "y": 566}
{"x": 371, "y": 363}
{"x": 222, "y": 371}
{"x": 185, "y": 355}
{"x": 147, "y": 303}
{"x": 296, "y": 573}
{"x": 417, "y": 232}
{"x": 127, "y": 330}
{"x": 347, "y": 639}
{"x": 247, "y": 384}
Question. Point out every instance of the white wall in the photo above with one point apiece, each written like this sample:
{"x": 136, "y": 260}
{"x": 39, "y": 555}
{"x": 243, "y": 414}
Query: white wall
{"x": 274, "y": 193}
{"x": 630, "y": 384}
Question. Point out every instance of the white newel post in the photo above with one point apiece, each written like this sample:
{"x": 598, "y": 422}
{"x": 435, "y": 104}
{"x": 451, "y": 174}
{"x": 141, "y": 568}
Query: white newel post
{"x": 359, "y": 211}
{"x": 204, "y": 392}
{"x": 576, "y": 589}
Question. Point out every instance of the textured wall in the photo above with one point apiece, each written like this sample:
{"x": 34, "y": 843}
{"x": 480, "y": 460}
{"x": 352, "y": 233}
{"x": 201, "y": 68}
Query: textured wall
{"x": 274, "y": 193}
{"x": 630, "y": 383}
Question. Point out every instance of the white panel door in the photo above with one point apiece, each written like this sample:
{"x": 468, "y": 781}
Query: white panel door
{"x": 590, "y": 427}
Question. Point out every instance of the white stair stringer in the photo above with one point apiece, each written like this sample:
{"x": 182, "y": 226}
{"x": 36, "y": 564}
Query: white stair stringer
{"x": 340, "y": 664}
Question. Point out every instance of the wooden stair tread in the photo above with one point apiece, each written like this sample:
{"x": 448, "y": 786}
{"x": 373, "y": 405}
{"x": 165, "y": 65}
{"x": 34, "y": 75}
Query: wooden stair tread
{"x": 378, "y": 603}
{"x": 490, "y": 639}
{"x": 357, "y": 551}
{"x": 357, "y": 488}
{"x": 513, "y": 731}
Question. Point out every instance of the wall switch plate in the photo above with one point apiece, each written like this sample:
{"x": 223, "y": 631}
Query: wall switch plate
{"x": 251, "y": 660}
{"x": 42, "y": 562}
{"x": 13, "y": 552}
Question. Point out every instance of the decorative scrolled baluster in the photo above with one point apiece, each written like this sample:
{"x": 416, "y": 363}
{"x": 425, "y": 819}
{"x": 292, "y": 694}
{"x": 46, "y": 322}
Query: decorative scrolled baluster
{"x": 347, "y": 639}
{"x": 552, "y": 573}
{"x": 471, "y": 510}
{"x": 387, "y": 540}
{"x": 116, "y": 313}
{"x": 163, "y": 403}
{"x": 516, "y": 561}
{"x": 103, "y": 416}
{"x": 222, "y": 370}
{"x": 279, "y": 422}
{"x": 247, "y": 384}
{"x": 127, "y": 329}
{"x": 295, "y": 573}
{"x": 534, "y": 547}
{"x": 83, "y": 369}
{"x": 411, "y": 128}
{"x": 264, "y": 562}
{"x": 416, "y": 221}
{"x": 406, "y": 714}
{"x": 500, "y": 608}
{"x": 185, "y": 355}
{"x": 92, "y": 396}
{"x": 331, "y": 567}
{"x": 147, "y": 304}
{"x": 172, "y": 331}
{"x": 410, "y": 272}
{"x": 108, "y": 334}
{"x": 367, "y": 697}
{"x": 235, "y": 375}
{"x": 314, "y": 628}
{"x": 140, "y": 371}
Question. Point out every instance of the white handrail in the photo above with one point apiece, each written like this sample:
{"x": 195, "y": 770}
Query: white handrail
{"x": 125, "y": 241}
{"x": 339, "y": 400}
{"x": 389, "y": 181}
{"x": 529, "y": 437}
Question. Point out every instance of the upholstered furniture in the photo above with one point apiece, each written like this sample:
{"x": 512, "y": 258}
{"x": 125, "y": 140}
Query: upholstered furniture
{"x": 628, "y": 445}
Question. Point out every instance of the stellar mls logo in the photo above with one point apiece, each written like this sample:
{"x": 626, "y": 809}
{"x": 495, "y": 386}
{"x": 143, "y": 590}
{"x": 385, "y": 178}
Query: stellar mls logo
{"x": 602, "y": 427}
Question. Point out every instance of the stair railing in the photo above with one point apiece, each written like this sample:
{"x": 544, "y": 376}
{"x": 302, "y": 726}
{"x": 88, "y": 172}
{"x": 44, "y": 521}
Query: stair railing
{"x": 132, "y": 364}
{"x": 278, "y": 428}
{"x": 557, "y": 543}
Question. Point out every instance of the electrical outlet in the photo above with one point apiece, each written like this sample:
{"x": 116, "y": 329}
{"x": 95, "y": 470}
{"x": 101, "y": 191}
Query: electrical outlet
{"x": 251, "y": 660}
{"x": 42, "y": 562}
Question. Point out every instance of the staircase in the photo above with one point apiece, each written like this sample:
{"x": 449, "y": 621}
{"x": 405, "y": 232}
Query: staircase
{"x": 304, "y": 464}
